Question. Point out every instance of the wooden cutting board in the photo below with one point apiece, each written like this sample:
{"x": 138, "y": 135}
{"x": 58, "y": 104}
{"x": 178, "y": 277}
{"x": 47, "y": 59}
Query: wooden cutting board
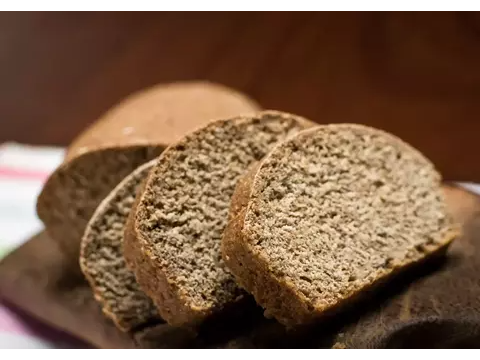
{"x": 436, "y": 306}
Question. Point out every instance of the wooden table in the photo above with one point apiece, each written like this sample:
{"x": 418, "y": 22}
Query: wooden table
{"x": 416, "y": 75}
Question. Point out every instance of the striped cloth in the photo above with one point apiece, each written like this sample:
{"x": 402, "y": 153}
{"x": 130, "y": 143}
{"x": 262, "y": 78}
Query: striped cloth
{"x": 23, "y": 170}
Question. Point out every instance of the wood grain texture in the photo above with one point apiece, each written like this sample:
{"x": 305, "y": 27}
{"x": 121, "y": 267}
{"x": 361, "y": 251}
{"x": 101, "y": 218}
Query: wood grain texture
{"x": 414, "y": 74}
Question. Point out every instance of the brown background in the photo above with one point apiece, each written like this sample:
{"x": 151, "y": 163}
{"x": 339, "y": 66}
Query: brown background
{"x": 416, "y": 75}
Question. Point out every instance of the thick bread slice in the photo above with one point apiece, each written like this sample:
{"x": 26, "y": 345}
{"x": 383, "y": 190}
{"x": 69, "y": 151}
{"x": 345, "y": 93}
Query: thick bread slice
{"x": 130, "y": 134}
{"x": 101, "y": 258}
{"x": 330, "y": 213}
{"x": 173, "y": 244}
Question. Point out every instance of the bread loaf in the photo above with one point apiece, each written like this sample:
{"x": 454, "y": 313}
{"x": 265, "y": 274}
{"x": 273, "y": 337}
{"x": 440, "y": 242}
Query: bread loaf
{"x": 132, "y": 133}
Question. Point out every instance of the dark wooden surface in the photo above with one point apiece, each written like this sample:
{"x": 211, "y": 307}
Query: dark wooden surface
{"x": 416, "y": 75}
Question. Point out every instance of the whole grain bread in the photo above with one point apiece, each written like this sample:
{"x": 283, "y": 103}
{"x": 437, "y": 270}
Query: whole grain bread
{"x": 130, "y": 134}
{"x": 173, "y": 243}
{"x": 101, "y": 258}
{"x": 329, "y": 214}
{"x": 429, "y": 310}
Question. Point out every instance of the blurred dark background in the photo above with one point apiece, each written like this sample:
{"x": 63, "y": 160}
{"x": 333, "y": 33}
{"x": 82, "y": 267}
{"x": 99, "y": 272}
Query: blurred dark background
{"x": 414, "y": 74}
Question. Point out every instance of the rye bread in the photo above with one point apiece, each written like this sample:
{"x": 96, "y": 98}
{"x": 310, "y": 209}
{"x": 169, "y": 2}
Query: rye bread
{"x": 400, "y": 316}
{"x": 130, "y": 134}
{"x": 101, "y": 258}
{"x": 173, "y": 242}
{"x": 329, "y": 214}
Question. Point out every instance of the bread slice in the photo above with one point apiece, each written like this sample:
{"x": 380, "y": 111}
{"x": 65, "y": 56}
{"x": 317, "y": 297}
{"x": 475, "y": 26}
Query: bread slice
{"x": 102, "y": 262}
{"x": 329, "y": 214}
{"x": 132, "y": 133}
{"x": 174, "y": 241}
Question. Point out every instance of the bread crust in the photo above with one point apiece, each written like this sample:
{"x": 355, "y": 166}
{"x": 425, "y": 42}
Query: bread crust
{"x": 119, "y": 125}
{"x": 151, "y": 120}
{"x": 277, "y": 295}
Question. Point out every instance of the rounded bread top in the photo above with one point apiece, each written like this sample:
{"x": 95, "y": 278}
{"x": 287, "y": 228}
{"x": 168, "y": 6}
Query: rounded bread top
{"x": 161, "y": 115}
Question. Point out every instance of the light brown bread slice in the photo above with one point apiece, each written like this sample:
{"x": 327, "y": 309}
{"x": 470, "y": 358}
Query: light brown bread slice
{"x": 102, "y": 262}
{"x": 173, "y": 243}
{"x": 130, "y": 134}
{"x": 329, "y": 214}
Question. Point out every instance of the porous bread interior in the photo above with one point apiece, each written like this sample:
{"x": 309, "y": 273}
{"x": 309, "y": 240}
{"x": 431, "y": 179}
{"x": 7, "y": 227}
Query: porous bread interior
{"x": 75, "y": 189}
{"x": 102, "y": 261}
{"x": 184, "y": 208}
{"x": 97, "y": 160}
{"x": 335, "y": 207}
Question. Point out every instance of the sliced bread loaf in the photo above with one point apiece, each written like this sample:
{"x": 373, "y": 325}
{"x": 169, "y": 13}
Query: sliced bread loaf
{"x": 130, "y": 134}
{"x": 173, "y": 243}
{"x": 102, "y": 262}
{"x": 329, "y": 214}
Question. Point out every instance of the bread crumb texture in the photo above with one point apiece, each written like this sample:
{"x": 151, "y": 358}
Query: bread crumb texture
{"x": 331, "y": 211}
{"x": 131, "y": 133}
{"x": 102, "y": 261}
{"x": 184, "y": 209}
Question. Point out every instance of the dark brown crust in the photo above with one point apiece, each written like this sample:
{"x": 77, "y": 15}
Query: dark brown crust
{"x": 107, "y": 131}
{"x": 278, "y": 296}
{"x": 172, "y": 305}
